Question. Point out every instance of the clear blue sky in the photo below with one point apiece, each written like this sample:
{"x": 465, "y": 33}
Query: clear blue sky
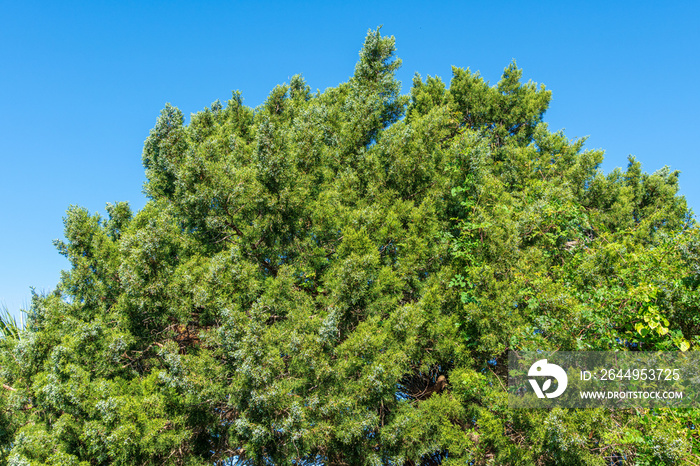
{"x": 82, "y": 83}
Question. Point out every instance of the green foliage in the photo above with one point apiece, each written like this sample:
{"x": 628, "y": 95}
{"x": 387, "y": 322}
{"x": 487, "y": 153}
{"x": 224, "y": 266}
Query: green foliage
{"x": 336, "y": 278}
{"x": 9, "y": 326}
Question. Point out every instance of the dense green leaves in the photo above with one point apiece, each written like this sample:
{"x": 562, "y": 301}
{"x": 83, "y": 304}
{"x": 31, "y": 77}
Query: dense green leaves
{"x": 336, "y": 278}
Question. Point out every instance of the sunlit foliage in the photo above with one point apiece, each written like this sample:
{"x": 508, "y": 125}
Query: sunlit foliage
{"x": 336, "y": 278}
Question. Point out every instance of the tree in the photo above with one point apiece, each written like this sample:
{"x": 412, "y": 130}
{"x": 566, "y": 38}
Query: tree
{"x": 336, "y": 278}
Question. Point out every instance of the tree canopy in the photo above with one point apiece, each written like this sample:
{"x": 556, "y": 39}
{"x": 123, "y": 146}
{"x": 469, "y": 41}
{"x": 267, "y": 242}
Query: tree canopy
{"x": 336, "y": 278}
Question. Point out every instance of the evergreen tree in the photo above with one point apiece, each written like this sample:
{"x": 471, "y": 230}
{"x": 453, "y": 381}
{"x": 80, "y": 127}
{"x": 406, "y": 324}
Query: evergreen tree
{"x": 336, "y": 278}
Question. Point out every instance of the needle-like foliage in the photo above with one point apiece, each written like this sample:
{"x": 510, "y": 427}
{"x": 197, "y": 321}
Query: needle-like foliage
{"x": 336, "y": 278}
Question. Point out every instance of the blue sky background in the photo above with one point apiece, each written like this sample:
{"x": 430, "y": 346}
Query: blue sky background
{"x": 82, "y": 83}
